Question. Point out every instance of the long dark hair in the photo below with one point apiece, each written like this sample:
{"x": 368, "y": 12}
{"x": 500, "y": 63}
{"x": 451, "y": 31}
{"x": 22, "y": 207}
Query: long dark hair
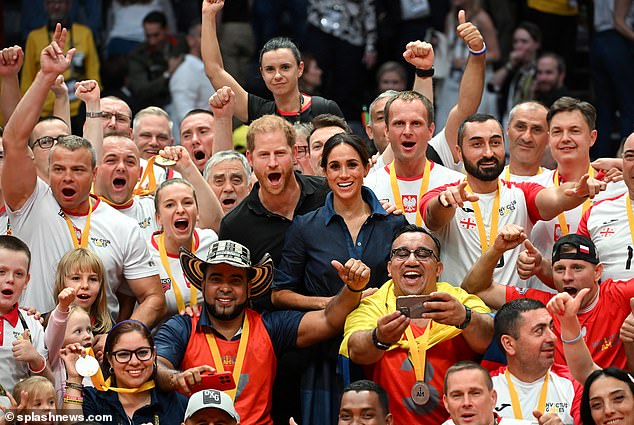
{"x": 124, "y": 327}
{"x": 352, "y": 140}
{"x": 612, "y": 372}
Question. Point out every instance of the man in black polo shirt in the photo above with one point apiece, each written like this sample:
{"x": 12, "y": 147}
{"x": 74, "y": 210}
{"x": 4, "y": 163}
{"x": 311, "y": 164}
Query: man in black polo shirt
{"x": 261, "y": 220}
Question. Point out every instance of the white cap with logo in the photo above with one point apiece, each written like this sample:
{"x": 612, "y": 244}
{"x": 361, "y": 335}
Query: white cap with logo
{"x": 215, "y": 399}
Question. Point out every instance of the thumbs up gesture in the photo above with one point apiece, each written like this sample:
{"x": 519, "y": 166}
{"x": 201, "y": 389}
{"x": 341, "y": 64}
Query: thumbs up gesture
{"x": 627, "y": 328}
{"x": 547, "y": 418}
{"x": 469, "y": 33}
{"x": 528, "y": 261}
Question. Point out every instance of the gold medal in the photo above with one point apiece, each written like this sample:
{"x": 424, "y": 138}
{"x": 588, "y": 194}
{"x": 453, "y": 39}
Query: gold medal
{"x": 420, "y": 393}
{"x": 163, "y": 162}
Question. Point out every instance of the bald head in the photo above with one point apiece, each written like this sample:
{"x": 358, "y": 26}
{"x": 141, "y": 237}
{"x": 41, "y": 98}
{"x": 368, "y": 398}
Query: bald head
{"x": 120, "y": 169}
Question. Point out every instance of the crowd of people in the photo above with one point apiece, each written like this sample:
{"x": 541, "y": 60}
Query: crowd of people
{"x": 473, "y": 270}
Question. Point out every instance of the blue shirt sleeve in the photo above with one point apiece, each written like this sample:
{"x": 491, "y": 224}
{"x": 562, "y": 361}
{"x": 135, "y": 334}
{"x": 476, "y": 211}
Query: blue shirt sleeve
{"x": 282, "y": 327}
{"x": 172, "y": 338}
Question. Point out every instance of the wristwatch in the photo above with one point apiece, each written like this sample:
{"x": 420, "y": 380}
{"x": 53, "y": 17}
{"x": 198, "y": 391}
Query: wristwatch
{"x": 97, "y": 114}
{"x": 425, "y": 73}
{"x": 467, "y": 318}
{"x": 378, "y": 344}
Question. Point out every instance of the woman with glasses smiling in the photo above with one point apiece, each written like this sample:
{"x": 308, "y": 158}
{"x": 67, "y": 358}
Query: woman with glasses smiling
{"x": 128, "y": 394}
{"x": 352, "y": 223}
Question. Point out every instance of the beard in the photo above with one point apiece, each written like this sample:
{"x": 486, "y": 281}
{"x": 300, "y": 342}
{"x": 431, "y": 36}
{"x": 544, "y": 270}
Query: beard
{"x": 487, "y": 175}
{"x": 223, "y": 314}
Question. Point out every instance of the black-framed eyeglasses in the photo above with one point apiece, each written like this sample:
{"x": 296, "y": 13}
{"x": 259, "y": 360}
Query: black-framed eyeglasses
{"x": 124, "y": 356}
{"x": 122, "y": 118}
{"x": 47, "y": 142}
{"x": 421, "y": 254}
{"x": 302, "y": 151}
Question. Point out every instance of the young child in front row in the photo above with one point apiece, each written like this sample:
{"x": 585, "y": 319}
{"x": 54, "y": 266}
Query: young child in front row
{"x": 34, "y": 395}
{"x": 81, "y": 311}
{"x": 22, "y": 350}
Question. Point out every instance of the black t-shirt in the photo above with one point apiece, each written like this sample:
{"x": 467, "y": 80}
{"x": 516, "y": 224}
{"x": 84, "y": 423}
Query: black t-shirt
{"x": 315, "y": 106}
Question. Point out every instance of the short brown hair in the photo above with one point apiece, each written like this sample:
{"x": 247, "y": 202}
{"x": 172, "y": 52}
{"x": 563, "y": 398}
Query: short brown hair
{"x": 408, "y": 97}
{"x": 468, "y": 365}
{"x": 269, "y": 123}
{"x": 570, "y": 104}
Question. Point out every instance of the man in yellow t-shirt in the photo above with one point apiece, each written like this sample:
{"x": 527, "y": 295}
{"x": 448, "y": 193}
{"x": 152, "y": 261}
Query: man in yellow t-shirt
{"x": 85, "y": 64}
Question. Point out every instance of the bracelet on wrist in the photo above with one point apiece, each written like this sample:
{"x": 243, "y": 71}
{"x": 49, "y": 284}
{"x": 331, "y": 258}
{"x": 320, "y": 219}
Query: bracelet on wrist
{"x": 441, "y": 202}
{"x": 73, "y": 399}
{"x": 75, "y": 386}
{"x": 354, "y": 290}
{"x": 378, "y": 344}
{"x": 425, "y": 73}
{"x": 41, "y": 369}
{"x": 572, "y": 341}
{"x": 482, "y": 51}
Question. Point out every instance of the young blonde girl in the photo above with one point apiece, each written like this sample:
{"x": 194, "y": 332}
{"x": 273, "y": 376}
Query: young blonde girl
{"x": 35, "y": 394}
{"x": 81, "y": 311}
{"x": 71, "y": 267}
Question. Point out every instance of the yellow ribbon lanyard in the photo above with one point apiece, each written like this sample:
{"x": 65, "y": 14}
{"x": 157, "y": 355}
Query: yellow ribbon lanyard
{"x": 495, "y": 215}
{"x": 515, "y": 401}
{"x": 423, "y": 190}
{"x": 563, "y": 224}
{"x": 630, "y": 216}
{"x": 83, "y": 243}
{"x": 148, "y": 174}
{"x": 101, "y": 385}
{"x": 507, "y": 173}
{"x": 242, "y": 349}
{"x": 193, "y": 292}
{"x": 418, "y": 351}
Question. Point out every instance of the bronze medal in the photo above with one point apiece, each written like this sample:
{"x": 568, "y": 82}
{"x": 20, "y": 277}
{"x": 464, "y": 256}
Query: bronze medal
{"x": 420, "y": 393}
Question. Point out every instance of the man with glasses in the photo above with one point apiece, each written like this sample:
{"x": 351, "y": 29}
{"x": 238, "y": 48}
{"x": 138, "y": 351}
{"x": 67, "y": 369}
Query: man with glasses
{"x": 42, "y": 139}
{"x": 409, "y": 356}
{"x": 116, "y": 116}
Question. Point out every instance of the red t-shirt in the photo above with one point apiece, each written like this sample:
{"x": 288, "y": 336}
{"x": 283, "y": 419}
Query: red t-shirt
{"x": 600, "y": 325}
{"x": 395, "y": 373}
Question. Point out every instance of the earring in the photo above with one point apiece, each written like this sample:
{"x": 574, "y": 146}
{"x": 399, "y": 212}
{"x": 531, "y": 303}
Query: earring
{"x": 111, "y": 370}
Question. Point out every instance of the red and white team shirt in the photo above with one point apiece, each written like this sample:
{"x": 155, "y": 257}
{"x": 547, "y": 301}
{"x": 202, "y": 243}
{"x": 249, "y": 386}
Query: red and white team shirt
{"x": 540, "y": 178}
{"x": 11, "y": 329}
{"x": 600, "y": 321}
{"x": 606, "y": 223}
{"x": 546, "y": 233}
{"x": 563, "y": 395}
{"x": 409, "y": 188}
{"x": 203, "y": 238}
{"x": 115, "y": 238}
{"x": 141, "y": 209}
{"x": 460, "y": 238}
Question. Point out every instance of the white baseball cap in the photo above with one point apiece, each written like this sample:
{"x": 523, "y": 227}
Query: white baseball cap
{"x": 215, "y": 399}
